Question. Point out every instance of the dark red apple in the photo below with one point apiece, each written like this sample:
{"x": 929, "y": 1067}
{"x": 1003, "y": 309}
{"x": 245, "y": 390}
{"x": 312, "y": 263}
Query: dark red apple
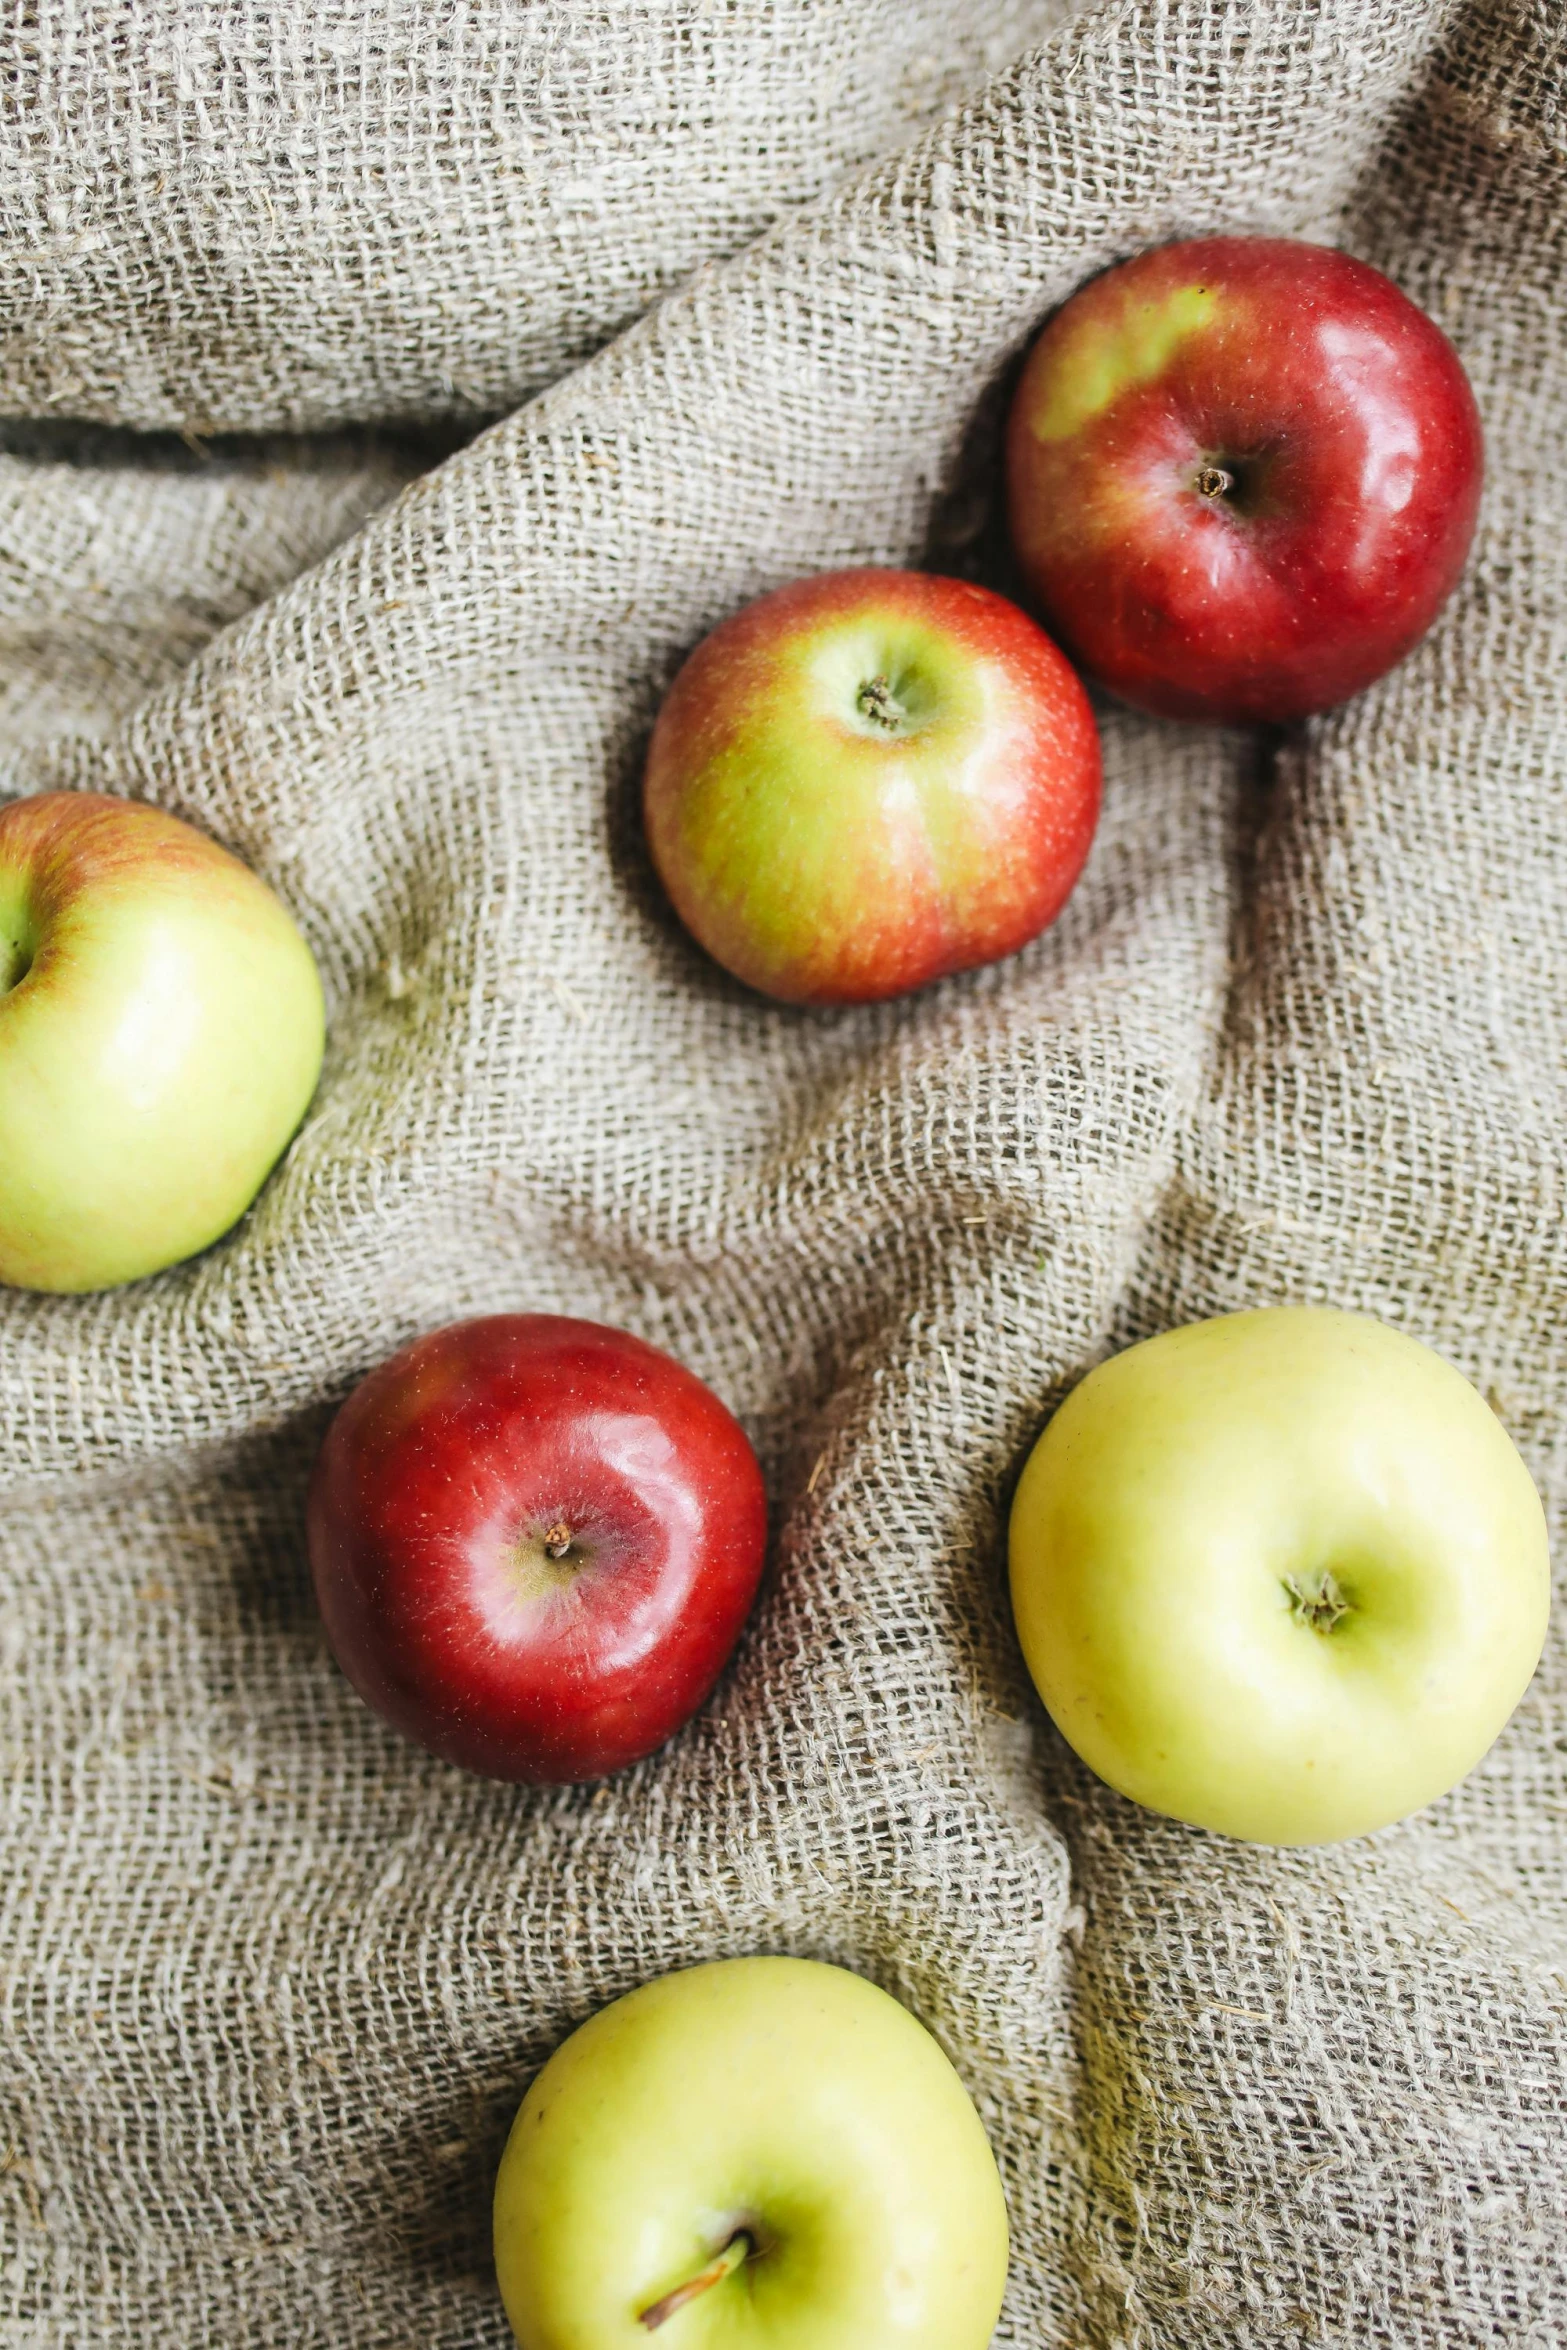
{"x": 865, "y": 781}
{"x": 1243, "y": 474}
{"x": 534, "y": 1542}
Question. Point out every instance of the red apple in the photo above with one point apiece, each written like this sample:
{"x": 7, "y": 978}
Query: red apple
{"x": 534, "y": 1542}
{"x": 1242, "y": 477}
{"x": 868, "y": 780}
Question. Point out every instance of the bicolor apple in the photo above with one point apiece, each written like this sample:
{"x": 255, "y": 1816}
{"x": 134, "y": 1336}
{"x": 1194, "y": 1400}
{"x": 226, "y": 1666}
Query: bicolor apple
{"x": 866, "y": 781}
{"x": 161, "y": 1032}
{"x": 1243, "y": 475}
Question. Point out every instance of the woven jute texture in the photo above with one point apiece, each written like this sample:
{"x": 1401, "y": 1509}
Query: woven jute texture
{"x": 273, "y": 1980}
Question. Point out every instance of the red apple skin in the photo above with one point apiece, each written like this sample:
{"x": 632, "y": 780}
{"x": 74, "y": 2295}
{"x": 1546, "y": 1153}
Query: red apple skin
{"x": 440, "y": 1486}
{"x": 830, "y": 853}
{"x": 1350, "y": 436}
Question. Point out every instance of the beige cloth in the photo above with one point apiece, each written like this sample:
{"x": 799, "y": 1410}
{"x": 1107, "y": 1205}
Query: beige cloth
{"x": 273, "y": 1980}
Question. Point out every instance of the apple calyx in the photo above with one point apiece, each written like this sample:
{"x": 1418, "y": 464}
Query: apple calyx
{"x": 1317, "y": 1601}
{"x": 735, "y": 2254}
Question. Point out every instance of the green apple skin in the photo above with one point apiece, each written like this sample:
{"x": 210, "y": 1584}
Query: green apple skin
{"x": 1282, "y": 1574}
{"x": 777, "y": 2094}
{"x": 161, "y": 1032}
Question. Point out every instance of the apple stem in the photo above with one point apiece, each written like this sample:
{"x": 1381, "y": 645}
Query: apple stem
{"x": 1214, "y": 481}
{"x": 735, "y": 2253}
{"x": 558, "y": 1540}
{"x": 875, "y": 701}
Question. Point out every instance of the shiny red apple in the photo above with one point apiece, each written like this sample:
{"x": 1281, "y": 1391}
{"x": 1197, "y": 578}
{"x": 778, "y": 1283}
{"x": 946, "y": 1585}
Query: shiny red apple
{"x": 534, "y": 1543}
{"x": 865, "y": 781}
{"x": 1243, "y": 475}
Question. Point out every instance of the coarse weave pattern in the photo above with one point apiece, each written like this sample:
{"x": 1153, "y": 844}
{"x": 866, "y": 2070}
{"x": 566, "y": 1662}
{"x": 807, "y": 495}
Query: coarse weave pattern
{"x": 274, "y": 1981}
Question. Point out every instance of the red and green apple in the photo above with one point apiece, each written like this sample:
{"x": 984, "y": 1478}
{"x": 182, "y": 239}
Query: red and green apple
{"x": 1243, "y": 474}
{"x": 868, "y": 780}
{"x": 161, "y": 1031}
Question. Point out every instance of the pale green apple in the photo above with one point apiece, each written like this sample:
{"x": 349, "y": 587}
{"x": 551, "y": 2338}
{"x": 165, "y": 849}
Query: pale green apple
{"x": 759, "y": 2154}
{"x": 1282, "y": 1574}
{"x": 161, "y": 1031}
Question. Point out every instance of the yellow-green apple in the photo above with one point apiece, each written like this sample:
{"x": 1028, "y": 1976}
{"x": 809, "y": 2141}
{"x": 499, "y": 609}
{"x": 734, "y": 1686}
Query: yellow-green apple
{"x": 161, "y": 1032}
{"x": 758, "y": 2152}
{"x": 868, "y": 780}
{"x": 1243, "y": 474}
{"x": 534, "y": 1543}
{"x": 1282, "y": 1574}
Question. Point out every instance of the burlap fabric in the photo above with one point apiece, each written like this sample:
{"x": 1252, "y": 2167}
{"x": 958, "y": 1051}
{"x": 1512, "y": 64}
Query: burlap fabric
{"x": 273, "y": 1981}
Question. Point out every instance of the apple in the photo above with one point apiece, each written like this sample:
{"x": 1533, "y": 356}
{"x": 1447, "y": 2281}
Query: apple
{"x": 534, "y": 1541}
{"x": 161, "y": 1032}
{"x": 761, "y": 2150}
{"x": 865, "y": 781}
{"x": 1281, "y": 1574}
{"x": 1243, "y": 474}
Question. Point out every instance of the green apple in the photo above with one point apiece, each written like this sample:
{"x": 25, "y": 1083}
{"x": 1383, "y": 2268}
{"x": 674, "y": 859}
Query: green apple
{"x": 759, "y": 2154}
{"x": 1282, "y": 1574}
{"x": 161, "y": 1031}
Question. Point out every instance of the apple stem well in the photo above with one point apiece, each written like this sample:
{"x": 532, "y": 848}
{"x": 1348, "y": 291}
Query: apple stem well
{"x": 16, "y": 960}
{"x": 734, "y": 2255}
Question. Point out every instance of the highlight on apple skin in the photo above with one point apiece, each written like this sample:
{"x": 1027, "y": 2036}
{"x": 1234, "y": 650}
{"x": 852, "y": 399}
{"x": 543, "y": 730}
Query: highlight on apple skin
{"x": 1282, "y": 1574}
{"x": 1242, "y": 477}
{"x": 866, "y": 781}
{"x": 759, "y": 2150}
{"x": 161, "y": 1033}
{"x": 535, "y": 1541}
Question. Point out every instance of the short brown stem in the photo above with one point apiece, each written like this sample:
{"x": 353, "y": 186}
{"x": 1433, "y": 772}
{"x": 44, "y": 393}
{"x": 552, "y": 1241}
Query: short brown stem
{"x": 558, "y": 1540}
{"x": 1215, "y": 481}
{"x": 875, "y": 701}
{"x": 734, "y": 2255}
